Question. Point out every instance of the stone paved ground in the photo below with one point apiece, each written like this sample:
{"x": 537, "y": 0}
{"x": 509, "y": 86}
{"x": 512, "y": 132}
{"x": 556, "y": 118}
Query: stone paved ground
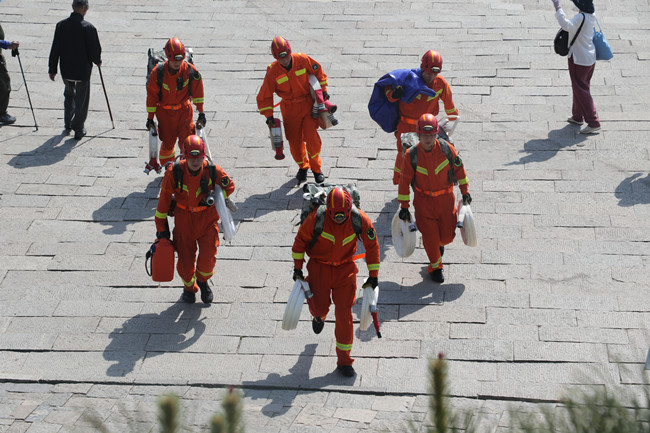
{"x": 554, "y": 298}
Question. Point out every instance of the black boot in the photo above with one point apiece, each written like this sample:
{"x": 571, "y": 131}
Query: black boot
{"x": 301, "y": 175}
{"x": 345, "y": 370}
{"x": 206, "y": 292}
{"x": 188, "y": 297}
{"x": 317, "y": 325}
{"x": 319, "y": 177}
{"x": 438, "y": 276}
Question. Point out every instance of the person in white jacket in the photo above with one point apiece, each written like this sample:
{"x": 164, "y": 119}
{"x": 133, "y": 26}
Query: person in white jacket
{"x": 582, "y": 62}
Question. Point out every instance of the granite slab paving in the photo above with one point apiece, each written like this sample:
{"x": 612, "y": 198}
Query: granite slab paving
{"x": 554, "y": 299}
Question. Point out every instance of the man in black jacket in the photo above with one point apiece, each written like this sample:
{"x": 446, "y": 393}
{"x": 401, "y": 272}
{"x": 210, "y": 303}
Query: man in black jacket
{"x": 76, "y": 44}
{"x": 5, "y": 82}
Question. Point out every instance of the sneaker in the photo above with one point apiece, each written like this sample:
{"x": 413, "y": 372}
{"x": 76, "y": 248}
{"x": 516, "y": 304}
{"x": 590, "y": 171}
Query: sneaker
{"x": 7, "y": 119}
{"x": 346, "y": 370}
{"x": 319, "y": 177}
{"x": 317, "y": 325}
{"x": 206, "y": 292}
{"x": 188, "y": 297}
{"x": 590, "y": 130}
{"x": 302, "y": 175}
{"x": 572, "y": 120}
{"x": 438, "y": 276}
{"x": 78, "y": 135}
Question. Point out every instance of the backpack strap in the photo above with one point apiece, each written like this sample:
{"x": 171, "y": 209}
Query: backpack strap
{"x": 444, "y": 145}
{"x": 318, "y": 226}
{"x": 178, "y": 174}
{"x": 355, "y": 217}
{"x": 160, "y": 75}
{"x": 413, "y": 157}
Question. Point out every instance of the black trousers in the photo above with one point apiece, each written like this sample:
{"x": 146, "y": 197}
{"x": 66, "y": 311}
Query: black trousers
{"x": 75, "y": 103}
{"x": 5, "y": 86}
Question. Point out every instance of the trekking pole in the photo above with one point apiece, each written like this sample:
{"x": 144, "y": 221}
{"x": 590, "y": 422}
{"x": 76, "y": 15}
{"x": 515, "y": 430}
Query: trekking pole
{"x": 106, "y": 95}
{"x": 15, "y": 53}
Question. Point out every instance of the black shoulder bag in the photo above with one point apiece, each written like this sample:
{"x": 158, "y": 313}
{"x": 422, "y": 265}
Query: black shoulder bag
{"x": 561, "y": 41}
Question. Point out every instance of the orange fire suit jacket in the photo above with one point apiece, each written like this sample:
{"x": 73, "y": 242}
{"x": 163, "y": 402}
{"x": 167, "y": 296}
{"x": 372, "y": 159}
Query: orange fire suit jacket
{"x": 190, "y": 196}
{"x": 337, "y": 243}
{"x": 432, "y": 175}
{"x": 411, "y": 112}
{"x": 289, "y": 85}
{"x": 175, "y": 89}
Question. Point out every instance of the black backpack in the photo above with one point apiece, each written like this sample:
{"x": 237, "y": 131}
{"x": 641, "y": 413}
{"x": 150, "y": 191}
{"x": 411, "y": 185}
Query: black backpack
{"x": 204, "y": 184}
{"x": 156, "y": 59}
{"x": 561, "y": 41}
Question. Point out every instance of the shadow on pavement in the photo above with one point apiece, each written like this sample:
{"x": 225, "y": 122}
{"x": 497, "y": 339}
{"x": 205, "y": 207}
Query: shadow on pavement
{"x": 119, "y": 212}
{"x": 48, "y": 153}
{"x": 540, "y": 150}
{"x": 154, "y": 334}
{"x": 282, "y": 400}
{"x": 279, "y": 199}
{"x": 633, "y": 190}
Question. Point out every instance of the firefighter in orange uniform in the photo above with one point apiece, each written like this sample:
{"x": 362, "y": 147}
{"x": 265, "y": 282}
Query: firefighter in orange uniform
{"x": 430, "y": 68}
{"x": 171, "y": 101}
{"x": 433, "y": 192}
{"x": 288, "y": 77}
{"x": 190, "y": 181}
{"x": 332, "y": 271}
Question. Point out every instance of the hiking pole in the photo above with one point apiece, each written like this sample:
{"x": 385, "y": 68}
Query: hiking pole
{"x": 15, "y": 53}
{"x": 106, "y": 95}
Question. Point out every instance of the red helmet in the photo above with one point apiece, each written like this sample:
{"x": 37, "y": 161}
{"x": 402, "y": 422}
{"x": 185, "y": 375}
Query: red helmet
{"x": 431, "y": 61}
{"x": 280, "y": 47}
{"x": 428, "y": 124}
{"x": 174, "y": 49}
{"x": 194, "y": 147}
{"x": 339, "y": 204}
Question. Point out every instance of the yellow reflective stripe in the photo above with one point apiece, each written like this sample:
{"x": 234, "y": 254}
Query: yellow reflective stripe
{"x": 185, "y": 189}
{"x": 189, "y": 283}
{"x": 300, "y": 72}
{"x": 463, "y": 181}
{"x": 418, "y": 97}
{"x": 349, "y": 239}
{"x": 343, "y": 347}
{"x": 198, "y": 191}
{"x": 422, "y": 170}
{"x": 328, "y": 236}
{"x": 442, "y": 165}
{"x": 435, "y": 265}
{"x": 282, "y": 79}
{"x": 297, "y": 256}
{"x": 403, "y": 197}
{"x": 203, "y": 274}
{"x": 373, "y": 267}
{"x": 161, "y": 215}
{"x": 168, "y": 155}
{"x": 265, "y": 108}
{"x": 397, "y": 169}
{"x": 166, "y": 87}
{"x": 198, "y": 100}
{"x": 151, "y": 109}
{"x": 314, "y": 156}
{"x": 185, "y": 83}
{"x": 450, "y": 111}
{"x": 434, "y": 96}
{"x": 323, "y": 83}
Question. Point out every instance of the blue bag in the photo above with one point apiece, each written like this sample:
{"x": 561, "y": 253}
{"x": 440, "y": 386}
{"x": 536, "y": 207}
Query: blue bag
{"x": 603, "y": 50}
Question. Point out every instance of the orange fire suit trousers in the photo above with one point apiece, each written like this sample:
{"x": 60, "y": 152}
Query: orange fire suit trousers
{"x": 339, "y": 284}
{"x": 192, "y": 230}
{"x": 436, "y": 219}
{"x": 172, "y": 125}
{"x": 302, "y": 133}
